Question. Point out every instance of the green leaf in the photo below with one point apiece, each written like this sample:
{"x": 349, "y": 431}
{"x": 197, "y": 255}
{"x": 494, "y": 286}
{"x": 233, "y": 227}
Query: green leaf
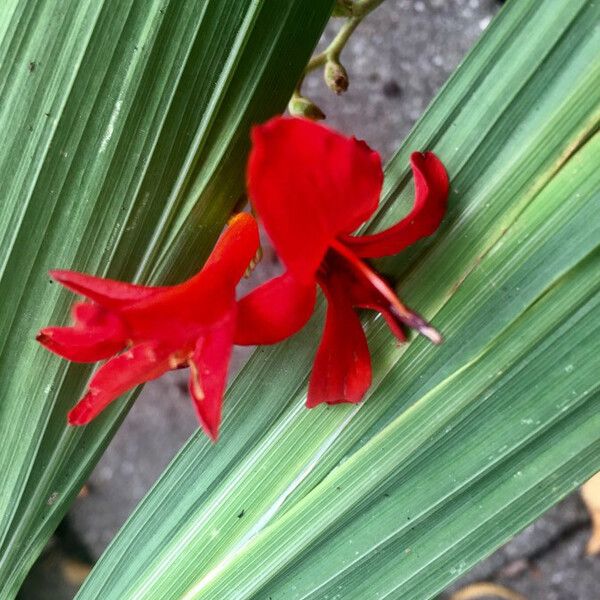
{"x": 458, "y": 447}
{"x": 125, "y": 134}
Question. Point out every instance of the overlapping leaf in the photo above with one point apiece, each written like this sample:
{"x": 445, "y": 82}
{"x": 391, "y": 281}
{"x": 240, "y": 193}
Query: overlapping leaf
{"x": 125, "y": 127}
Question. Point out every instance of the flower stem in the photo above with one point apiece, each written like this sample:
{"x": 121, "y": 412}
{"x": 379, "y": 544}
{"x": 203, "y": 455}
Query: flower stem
{"x": 335, "y": 74}
{"x": 333, "y": 51}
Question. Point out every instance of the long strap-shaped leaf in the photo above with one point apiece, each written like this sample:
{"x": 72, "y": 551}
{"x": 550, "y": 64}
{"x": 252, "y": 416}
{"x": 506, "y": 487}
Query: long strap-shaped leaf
{"x": 124, "y": 134}
{"x": 460, "y": 446}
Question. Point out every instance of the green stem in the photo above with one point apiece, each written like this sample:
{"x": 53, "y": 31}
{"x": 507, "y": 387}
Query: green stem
{"x": 360, "y": 8}
{"x": 357, "y": 10}
{"x": 333, "y": 51}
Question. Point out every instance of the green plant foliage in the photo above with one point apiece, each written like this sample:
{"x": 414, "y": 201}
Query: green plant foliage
{"x": 458, "y": 447}
{"x": 125, "y": 129}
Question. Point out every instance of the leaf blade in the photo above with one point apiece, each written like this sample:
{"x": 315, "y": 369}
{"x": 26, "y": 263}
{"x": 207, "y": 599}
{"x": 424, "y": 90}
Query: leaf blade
{"x": 137, "y": 95}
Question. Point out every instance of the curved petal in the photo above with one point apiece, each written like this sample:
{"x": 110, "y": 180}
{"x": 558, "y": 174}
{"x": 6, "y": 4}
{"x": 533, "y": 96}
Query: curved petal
{"x": 309, "y": 185}
{"x": 342, "y": 367}
{"x": 274, "y": 311}
{"x": 120, "y": 374}
{"x": 236, "y": 247}
{"x": 208, "y": 373}
{"x": 96, "y": 335}
{"x": 181, "y": 311}
{"x": 108, "y": 292}
{"x": 431, "y": 196}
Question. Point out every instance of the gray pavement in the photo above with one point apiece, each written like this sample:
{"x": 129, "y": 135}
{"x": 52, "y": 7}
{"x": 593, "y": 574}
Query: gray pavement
{"x": 397, "y": 60}
{"x": 547, "y": 560}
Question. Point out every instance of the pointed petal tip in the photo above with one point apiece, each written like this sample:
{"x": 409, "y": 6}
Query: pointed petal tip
{"x": 416, "y": 156}
{"x": 109, "y": 293}
{"x": 43, "y": 336}
{"x": 311, "y": 402}
{"x": 211, "y": 430}
{"x": 55, "y": 273}
{"x": 74, "y": 422}
{"x": 314, "y": 402}
{"x": 60, "y": 275}
{"x": 81, "y": 345}
{"x": 242, "y": 218}
{"x": 82, "y": 413}
{"x": 427, "y": 155}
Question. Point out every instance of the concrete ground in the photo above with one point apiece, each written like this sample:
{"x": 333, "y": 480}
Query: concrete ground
{"x": 397, "y": 60}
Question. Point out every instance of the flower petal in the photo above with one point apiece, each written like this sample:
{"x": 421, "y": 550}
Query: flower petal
{"x": 181, "y": 312}
{"x": 120, "y": 374}
{"x": 96, "y": 335}
{"x": 431, "y": 195}
{"x": 360, "y": 291}
{"x": 108, "y": 292}
{"x": 309, "y": 185}
{"x": 342, "y": 367}
{"x": 208, "y": 373}
{"x": 274, "y": 311}
{"x": 236, "y": 247}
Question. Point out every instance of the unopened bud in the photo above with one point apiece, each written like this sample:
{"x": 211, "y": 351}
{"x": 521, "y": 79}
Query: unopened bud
{"x": 299, "y": 106}
{"x": 336, "y": 77}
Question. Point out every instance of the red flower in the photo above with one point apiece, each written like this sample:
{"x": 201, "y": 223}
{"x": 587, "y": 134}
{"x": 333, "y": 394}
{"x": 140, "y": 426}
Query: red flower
{"x": 312, "y": 188}
{"x": 158, "y": 328}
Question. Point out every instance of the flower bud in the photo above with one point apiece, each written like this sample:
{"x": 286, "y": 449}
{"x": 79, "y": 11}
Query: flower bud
{"x": 299, "y": 106}
{"x": 335, "y": 76}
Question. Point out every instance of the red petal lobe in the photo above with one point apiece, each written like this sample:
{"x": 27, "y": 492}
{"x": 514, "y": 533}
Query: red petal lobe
{"x": 431, "y": 195}
{"x": 79, "y": 345}
{"x": 120, "y": 374}
{"x": 108, "y": 292}
{"x": 342, "y": 368}
{"x": 96, "y": 335}
{"x": 274, "y": 311}
{"x": 208, "y": 373}
{"x": 309, "y": 185}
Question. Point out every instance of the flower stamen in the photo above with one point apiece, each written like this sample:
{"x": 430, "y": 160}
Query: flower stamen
{"x": 397, "y": 309}
{"x": 195, "y": 381}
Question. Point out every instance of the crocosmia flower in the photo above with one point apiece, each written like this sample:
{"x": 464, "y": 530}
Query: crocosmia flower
{"x": 313, "y": 188}
{"x": 146, "y": 331}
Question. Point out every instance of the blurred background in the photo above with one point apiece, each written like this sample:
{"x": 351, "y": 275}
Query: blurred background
{"x": 397, "y": 60}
